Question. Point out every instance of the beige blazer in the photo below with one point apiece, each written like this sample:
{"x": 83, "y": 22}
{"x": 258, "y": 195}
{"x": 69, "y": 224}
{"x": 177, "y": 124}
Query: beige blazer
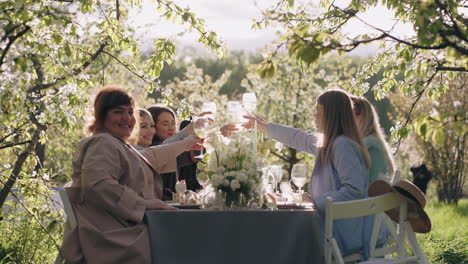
{"x": 111, "y": 181}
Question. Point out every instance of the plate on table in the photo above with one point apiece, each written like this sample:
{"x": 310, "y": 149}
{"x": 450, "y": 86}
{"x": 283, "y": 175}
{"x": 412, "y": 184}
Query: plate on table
{"x": 184, "y": 206}
{"x": 188, "y": 206}
{"x": 295, "y": 206}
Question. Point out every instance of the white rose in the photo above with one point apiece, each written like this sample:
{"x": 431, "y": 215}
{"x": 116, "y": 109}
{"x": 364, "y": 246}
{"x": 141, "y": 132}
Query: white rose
{"x": 241, "y": 177}
{"x": 252, "y": 182}
{"x": 226, "y": 182}
{"x": 235, "y": 185}
{"x": 215, "y": 178}
{"x": 221, "y": 170}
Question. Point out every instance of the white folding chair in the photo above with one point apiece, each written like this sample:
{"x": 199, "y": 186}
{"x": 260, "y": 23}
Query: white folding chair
{"x": 373, "y": 206}
{"x": 70, "y": 223}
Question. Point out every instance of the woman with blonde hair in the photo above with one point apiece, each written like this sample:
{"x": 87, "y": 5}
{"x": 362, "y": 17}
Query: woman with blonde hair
{"x": 144, "y": 132}
{"x": 383, "y": 165}
{"x": 341, "y": 165}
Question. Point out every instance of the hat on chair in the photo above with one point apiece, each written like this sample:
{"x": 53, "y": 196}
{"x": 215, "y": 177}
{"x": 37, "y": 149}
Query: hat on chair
{"x": 418, "y": 219}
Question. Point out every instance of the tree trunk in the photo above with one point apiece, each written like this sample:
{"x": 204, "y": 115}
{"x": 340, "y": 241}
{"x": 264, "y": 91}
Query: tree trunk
{"x": 18, "y": 166}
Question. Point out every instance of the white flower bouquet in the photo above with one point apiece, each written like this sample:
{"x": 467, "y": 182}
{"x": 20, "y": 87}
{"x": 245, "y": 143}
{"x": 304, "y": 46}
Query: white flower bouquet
{"x": 230, "y": 166}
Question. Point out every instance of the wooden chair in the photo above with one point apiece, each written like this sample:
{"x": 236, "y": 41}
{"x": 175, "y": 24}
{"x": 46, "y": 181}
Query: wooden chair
{"x": 373, "y": 206}
{"x": 70, "y": 223}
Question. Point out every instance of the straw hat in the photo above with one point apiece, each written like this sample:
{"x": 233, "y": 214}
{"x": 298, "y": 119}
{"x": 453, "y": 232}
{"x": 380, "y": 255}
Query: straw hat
{"x": 418, "y": 219}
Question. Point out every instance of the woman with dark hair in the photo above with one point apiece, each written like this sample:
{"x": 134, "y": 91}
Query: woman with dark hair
{"x": 341, "y": 165}
{"x": 113, "y": 184}
{"x": 165, "y": 124}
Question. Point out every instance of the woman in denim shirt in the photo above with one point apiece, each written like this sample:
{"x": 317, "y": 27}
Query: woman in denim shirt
{"x": 341, "y": 165}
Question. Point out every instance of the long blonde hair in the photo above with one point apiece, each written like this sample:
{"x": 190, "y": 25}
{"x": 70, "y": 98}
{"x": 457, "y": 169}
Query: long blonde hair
{"x": 338, "y": 120}
{"x": 369, "y": 124}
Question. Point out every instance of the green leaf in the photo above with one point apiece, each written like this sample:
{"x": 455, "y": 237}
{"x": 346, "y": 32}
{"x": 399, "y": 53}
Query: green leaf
{"x": 422, "y": 129}
{"x": 57, "y": 38}
{"x": 439, "y": 136}
{"x": 403, "y": 132}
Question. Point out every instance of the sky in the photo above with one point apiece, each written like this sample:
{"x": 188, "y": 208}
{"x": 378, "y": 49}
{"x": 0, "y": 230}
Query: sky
{"x": 232, "y": 21}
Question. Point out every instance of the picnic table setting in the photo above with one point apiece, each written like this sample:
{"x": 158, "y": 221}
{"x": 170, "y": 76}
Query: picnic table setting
{"x": 244, "y": 213}
{"x": 230, "y": 173}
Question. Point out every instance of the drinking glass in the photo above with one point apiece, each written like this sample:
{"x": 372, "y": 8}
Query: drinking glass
{"x": 204, "y": 181}
{"x": 201, "y": 126}
{"x": 249, "y": 102}
{"x": 299, "y": 175}
{"x": 209, "y": 107}
{"x": 277, "y": 172}
{"x": 235, "y": 112}
{"x": 201, "y": 129}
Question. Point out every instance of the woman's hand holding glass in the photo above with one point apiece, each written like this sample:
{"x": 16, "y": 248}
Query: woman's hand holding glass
{"x": 251, "y": 120}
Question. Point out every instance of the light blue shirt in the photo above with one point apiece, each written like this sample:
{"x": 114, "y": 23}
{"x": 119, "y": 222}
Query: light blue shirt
{"x": 379, "y": 169}
{"x": 344, "y": 179}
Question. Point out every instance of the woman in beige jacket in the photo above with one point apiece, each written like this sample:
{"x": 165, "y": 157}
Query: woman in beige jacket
{"x": 113, "y": 185}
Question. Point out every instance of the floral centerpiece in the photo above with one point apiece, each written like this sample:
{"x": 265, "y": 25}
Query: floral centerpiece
{"x": 230, "y": 166}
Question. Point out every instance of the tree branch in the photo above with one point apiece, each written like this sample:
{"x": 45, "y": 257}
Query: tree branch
{"x": 13, "y": 132}
{"x": 117, "y": 8}
{"x": 126, "y": 66}
{"x": 11, "y": 40}
{"x": 414, "y": 45}
{"x": 18, "y": 165}
{"x": 76, "y": 71}
{"x": 280, "y": 156}
{"x": 15, "y": 144}
{"x": 457, "y": 69}
{"x": 408, "y": 117}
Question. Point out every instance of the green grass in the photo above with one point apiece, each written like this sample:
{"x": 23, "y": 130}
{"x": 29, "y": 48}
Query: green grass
{"x": 448, "y": 240}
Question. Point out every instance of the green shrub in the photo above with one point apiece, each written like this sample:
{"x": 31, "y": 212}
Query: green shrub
{"x": 30, "y": 235}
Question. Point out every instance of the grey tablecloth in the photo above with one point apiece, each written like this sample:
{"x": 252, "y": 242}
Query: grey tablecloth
{"x": 237, "y": 237}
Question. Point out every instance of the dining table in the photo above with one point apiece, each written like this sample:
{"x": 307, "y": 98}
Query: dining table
{"x": 198, "y": 236}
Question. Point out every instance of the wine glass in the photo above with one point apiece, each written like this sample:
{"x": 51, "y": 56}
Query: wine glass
{"x": 249, "y": 102}
{"x": 209, "y": 107}
{"x": 235, "y": 112}
{"x": 299, "y": 175}
{"x": 204, "y": 180}
{"x": 201, "y": 129}
{"x": 277, "y": 172}
{"x": 201, "y": 126}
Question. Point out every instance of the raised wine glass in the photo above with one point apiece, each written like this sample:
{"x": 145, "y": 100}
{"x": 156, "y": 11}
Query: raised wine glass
{"x": 209, "y": 107}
